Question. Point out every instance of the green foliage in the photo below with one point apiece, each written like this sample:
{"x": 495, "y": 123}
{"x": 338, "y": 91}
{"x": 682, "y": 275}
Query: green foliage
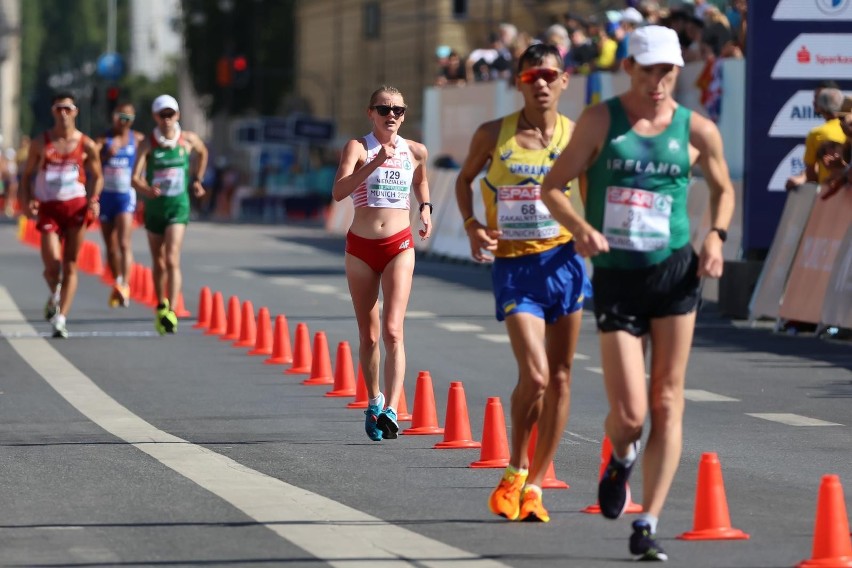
{"x": 260, "y": 30}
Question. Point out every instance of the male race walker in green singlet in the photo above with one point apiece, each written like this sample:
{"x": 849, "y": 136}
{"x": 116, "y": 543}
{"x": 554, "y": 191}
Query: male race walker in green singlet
{"x": 162, "y": 174}
{"x": 636, "y": 151}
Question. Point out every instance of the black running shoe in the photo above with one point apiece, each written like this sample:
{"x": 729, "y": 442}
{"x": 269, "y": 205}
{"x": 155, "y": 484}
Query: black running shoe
{"x": 387, "y": 423}
{"x": 644, "y": 545}
{"x": 613, "y": 491}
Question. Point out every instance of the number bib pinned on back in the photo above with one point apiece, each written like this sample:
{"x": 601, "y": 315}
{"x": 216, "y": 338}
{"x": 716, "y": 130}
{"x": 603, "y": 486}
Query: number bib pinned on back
{"x": 521, "y": 215}
{"x": 637, "y": 220}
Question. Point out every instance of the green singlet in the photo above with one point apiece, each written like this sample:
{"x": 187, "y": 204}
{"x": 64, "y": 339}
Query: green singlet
{"x": 637, "y": 190}
{"x": 167, "y": 168}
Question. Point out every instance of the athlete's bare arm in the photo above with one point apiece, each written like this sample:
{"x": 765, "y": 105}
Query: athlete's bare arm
{"x": 349, "y": 175}
{"x": 138, "y": 180}
{"x": 586, "y": 142}
{"x": 200, "y": 148}
{"x": 92, "y": 163}
{"x": 705, "y": 137}
{"x": 479, "y": 154}
{"x": 420, "y": 186}
{"x": 33, "y": 161}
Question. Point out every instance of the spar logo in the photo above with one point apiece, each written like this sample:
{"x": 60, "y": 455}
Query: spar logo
{"x": 831, "y": 7}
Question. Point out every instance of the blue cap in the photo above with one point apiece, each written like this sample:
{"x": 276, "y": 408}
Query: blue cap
{"x": 443, "y": 51}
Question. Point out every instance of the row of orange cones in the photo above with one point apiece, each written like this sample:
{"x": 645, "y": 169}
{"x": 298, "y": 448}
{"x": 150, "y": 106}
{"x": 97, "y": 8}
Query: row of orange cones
{"x": 711, "y": 521}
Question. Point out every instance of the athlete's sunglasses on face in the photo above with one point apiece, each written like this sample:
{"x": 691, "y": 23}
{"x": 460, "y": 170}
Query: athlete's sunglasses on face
{"x": 385, "y": 110}
{"x": 64, "y": 107}
{"x": 126, "y": 117}
{"x": 168, "y": 113}
{"x": 530, "y": 76}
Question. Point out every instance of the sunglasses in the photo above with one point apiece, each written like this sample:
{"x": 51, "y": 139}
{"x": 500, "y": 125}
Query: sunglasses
{"x": 532, "y": 75}
{"x": 167, "y": 114}
{"x": 385, "y": 110}
{"x": 67, "y": 108}
{"x": 126, "y": 117}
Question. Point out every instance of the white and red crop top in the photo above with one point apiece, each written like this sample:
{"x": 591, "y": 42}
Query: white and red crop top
{"x": 389, "y": 185}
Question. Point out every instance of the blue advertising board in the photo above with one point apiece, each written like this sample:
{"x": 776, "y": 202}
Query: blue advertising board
{"x": 792, "y": 46}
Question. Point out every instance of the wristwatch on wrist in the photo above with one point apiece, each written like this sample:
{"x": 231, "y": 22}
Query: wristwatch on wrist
{"x": 424, "y": 204}
{"x": 723, "y": 234}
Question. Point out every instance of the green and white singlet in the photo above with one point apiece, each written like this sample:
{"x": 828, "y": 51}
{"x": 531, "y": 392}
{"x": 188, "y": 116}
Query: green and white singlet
{"x": 637, "y": 191}
{"x": 167, "y": 168}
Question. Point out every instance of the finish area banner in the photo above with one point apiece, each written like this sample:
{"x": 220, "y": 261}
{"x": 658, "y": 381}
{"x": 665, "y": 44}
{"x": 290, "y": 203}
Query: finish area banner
{"x": 792, "y": 46}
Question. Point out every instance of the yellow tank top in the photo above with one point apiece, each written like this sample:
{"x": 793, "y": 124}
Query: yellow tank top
{"x": 511, "y": 190}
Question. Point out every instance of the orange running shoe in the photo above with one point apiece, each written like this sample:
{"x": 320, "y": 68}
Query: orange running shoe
{"x": 505, "y": 500}
{"x": 532, "y": 510}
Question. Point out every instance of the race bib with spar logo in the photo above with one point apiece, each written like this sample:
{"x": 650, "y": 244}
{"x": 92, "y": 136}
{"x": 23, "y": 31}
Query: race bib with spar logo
{"x": 521, "y": 215}
{"x": 636, "y": 219}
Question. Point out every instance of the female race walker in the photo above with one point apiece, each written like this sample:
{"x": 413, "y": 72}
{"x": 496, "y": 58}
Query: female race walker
{"x": 379, "y": 171}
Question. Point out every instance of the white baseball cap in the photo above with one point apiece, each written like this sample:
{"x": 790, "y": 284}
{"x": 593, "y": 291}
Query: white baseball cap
{"x": 632, "y": 15}
{"x": 164, "y": 102}
{"x": 650, "y": 45}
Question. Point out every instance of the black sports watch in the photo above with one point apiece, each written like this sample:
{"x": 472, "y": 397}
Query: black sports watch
{"x": 424, "y": 204}
{"x": 723, "y": 234}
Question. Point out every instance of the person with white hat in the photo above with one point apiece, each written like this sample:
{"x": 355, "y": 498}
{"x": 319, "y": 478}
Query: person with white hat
{"x": 164, "y": 176}
{"x": 636, "y": 151}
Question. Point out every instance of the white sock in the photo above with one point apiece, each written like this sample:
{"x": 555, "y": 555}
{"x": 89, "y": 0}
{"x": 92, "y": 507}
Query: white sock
{"x": 377, "y": 401}
{"x": 650, "y": 519}
{"x": 58, "y": 319}
{"x": 119, "y": 280}
{"x": 629, "y": 458}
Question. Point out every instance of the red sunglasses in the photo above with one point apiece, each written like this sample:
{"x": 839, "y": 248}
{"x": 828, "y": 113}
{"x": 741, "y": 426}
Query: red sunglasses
{"x": 530, "y": 76}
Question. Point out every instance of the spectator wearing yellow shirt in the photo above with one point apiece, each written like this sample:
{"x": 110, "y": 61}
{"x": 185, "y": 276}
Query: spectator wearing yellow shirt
{"x": 607, "y": 47}
{"x": 827, "y": 103}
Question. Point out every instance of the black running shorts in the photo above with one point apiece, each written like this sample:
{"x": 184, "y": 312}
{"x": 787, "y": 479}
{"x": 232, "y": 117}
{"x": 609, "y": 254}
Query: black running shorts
{"x": 627, "y": 300}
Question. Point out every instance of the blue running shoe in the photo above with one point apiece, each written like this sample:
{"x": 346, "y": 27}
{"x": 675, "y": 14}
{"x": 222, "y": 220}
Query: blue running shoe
{"x": 387, "y": 424}
{"x": 644, "y": 544}
{"x": 613, "y": 491}
{"x": 371, "y": 423}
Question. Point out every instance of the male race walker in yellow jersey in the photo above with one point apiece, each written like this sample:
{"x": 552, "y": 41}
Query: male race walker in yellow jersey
{"x": 537, "y": 277}
{"x": 636, "y": 151}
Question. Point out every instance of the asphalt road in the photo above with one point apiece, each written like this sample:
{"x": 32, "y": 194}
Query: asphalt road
{"x": 122, "y": 448}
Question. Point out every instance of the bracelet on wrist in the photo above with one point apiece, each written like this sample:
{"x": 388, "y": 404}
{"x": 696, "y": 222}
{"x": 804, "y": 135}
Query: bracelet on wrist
{"x": 424, "y": 204}
{"x": 469, "y": 221}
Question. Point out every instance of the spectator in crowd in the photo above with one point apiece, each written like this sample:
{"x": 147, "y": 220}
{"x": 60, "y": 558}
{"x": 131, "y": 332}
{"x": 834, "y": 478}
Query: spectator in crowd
{"x": 631, "y": 18}
{"x": 650, "y": 11}
{"x": 452, "y": 72}
{"x": 694, "y": 31}
{"x": 828, "y": 102}
{"x": 9, "y": 182}
{"x": 582, "y": 54}
{"x": 557, "y": 36}
{"x": 717, "y": 30}
{"x": 837, "y": 157}
{"x": 608, "y": 47}
{"x": 489, "y": 63}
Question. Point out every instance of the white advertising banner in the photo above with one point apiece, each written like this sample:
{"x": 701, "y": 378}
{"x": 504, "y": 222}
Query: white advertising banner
{"x": 793, "y": 164}
{"x": 816, "y": 56}
{"x": 813, "y": 10}
{"x": 797, "y": 117}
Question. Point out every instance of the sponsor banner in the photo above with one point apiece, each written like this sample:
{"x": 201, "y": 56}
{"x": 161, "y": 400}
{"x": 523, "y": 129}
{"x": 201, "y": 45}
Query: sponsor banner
{"x": 813, "y": 10}
{"x": 797, "y": 117}
{"x": 766, "y": 299}
{"x": 816, "y": 56}
{"x": 793, "y": 164}
{"x": 815, "y": 259}
{"x": 837, "y": 306}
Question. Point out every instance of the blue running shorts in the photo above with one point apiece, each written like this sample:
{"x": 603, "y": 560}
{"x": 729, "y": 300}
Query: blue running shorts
{"x": 548, "y": 285}
{"x": 114, "y": 203}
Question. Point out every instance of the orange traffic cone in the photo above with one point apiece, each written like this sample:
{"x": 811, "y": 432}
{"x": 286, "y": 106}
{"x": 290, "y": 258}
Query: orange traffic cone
{"x": 425, "y": 419}
{"x": 495, "y": 443}
{"x": 180, "y": 307}
{"x": 457, "y": 426}
{"x": 302, "y": 357}
{"x": 550, "y": 480}
{"x": 711, "y": 520}
{"x": 217, "y": 316}
{"x": 248, "y": 328}
{"x": 402, "y": 414}
{"x": 281, "y": 352}
{"x": 151, "y": 298}
{"x": 831, "y": 530}
{"x": 84, "y": 257}
{"x": 96, "y": 261}
{"x": 606, "y": 452}
{"x": 107, "y": 276}
{"x": 136, "y": 283}
{"x": 146, "y": 286}
{"x": 263, "y": 336}
{"x": 204, "y": 307}
{"x": 361, "y": 396}
{"x": 344, "y": 382}
{"x": 321, "y": 363}
{"x": 233, "y": 331}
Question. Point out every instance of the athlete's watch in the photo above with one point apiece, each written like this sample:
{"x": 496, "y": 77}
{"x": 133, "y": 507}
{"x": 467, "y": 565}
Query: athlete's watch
{"x": 424, "y": 204}
{"x": 723, "y": 234}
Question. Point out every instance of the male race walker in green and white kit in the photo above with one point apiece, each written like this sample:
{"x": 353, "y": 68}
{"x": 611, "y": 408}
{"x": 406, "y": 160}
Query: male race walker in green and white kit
{"x": 636, "y": 151}
{"x": 164, "y": 176}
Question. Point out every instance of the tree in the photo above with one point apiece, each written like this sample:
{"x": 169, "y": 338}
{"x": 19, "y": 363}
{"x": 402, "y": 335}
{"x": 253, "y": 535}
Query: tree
{"x": 257, "y": 35}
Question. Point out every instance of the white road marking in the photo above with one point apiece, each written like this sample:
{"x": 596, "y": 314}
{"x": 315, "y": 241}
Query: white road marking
{"x": 698, "y": 395}
{"x": 332, "y": 532}
{"x": 493, "y": 337}
{"x": 459, "y": 326}
{"x": 414, "y": 314}
{"x": 36, "y": 334}
{"x": 792, "y": 419}
{"x": 342, "y": 296}
{"x": 287, "y": 281}
{"x": 597, "y": 370}
{"x": 581, "y": 357}
{"x": 244, "y": 274}
{"x": 321, "y": 288}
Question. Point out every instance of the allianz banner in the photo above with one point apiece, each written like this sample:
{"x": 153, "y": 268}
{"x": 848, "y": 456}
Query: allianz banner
{"x": 792, "y": 46}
